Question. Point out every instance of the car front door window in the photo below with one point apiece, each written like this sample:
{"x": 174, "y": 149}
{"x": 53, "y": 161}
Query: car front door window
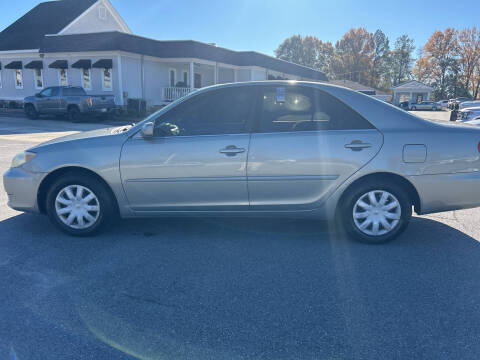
{"x": 225, "y": 111}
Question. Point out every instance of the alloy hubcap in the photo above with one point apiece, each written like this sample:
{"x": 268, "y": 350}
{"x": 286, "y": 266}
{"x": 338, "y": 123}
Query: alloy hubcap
{"x": 377, "y": 213}
{"x": 77, "y": 207}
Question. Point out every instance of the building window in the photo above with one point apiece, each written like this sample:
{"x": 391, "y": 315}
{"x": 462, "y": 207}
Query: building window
{"x": 172, "y": 77}
{"x": 38, "y": 78}
{"x": 102, "y": 13}
{"x": 18, "y": 79}
{"x": 62, "y": 77}
{"x": 86, "y": 83}
{"x": 107, "y": 79}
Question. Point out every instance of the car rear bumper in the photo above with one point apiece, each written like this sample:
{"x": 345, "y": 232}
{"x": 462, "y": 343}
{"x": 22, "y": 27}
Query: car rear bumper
{"x": 22, "y": 188}
{"x": 446, "y": 192}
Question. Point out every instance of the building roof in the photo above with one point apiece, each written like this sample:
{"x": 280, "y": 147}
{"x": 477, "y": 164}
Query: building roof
{"x": 46, "y": 18}
{"x": 413, "y": 85}
{"x": 357, "y": 86}
{"x": 118, "y": 41}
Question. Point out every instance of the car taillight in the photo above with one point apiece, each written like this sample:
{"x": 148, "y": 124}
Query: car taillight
{"x": 89, "y": 102}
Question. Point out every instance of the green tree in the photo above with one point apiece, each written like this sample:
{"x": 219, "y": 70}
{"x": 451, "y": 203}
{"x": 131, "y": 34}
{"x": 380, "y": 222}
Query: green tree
{"x": 308, "y": 51}
{"x": 381, "y": 60}
{"x": 401, "y": 59}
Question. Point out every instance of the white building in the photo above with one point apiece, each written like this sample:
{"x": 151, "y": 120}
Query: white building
{"x": 412, "y": 91}
{"x": 86, "y": 43}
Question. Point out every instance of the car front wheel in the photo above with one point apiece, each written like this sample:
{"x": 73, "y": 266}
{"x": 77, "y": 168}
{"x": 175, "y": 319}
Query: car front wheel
{"x": 74, "y": 114}
{"x": 79, "y": 206}
{"x": 376, "y": 213}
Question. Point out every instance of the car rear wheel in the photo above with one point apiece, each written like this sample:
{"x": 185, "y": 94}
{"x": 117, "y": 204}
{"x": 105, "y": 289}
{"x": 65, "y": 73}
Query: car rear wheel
{"x": 79, "y": 205}
{"x": 31, "y": 113}
{"x": 414, "y": 108}
{"x": 434, "y": 108}
{"x": 376, "y": 213}
{"x": 74, "y": 114}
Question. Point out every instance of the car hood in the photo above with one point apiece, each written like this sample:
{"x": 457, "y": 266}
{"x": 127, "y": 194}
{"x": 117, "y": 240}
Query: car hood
{"x": 80, "y": 136}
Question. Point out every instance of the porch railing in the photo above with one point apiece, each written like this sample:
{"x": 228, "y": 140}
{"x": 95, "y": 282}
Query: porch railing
{"x": 174, "y": 93}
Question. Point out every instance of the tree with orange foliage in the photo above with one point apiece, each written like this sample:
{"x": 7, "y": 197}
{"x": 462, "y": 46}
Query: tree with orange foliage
{"x": 469, "y": 49}
{"x": 439, "y": 60}
{"x": 353, "y": 55}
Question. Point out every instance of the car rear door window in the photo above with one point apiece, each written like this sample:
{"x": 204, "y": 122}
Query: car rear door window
{"x": 73, "y": 91}
{"x": 298, "y": 108}
{"x": 221, "y": 111}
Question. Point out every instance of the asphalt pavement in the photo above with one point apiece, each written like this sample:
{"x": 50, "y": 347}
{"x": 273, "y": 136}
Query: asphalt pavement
{"x": 232, "y": 288}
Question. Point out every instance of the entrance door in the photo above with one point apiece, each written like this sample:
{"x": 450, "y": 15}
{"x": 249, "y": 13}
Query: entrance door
{"x": 307, "y": 143}
{"x": 196, "y": 160}
{"x": 197, "y": 81}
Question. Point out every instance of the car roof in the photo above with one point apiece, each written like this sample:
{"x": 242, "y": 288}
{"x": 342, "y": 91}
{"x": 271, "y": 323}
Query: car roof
{"x": 382, "y": 115}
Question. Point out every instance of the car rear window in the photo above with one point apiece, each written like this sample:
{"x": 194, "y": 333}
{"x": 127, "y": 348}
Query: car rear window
{"x": 297, "y": 108}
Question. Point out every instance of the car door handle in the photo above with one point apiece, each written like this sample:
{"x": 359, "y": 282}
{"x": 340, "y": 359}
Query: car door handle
{"x": 232, "y": 150}
{"x": 358, "y": 145}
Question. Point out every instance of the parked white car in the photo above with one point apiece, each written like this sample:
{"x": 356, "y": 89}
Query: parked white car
{"x": 475, "y": 121}
{"x": 468, "y": 114}
{"x": 443, "y": 104}
{"x": 469, "y": 104}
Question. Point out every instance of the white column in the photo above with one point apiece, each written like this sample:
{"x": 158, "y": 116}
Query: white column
{"x": 192, "y": 76}
{"x": 251, "y": 74}
{"x": 120, "y": 81}
{"x": 235, "y": 75}
{"x": 215, "y": 74}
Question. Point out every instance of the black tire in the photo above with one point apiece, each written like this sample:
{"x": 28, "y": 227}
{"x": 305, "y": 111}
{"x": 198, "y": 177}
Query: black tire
{"x": 31, "y": 112}
{"x": 74, "y": 114}
{"x": 106, "y": 211}
{"x": 434, "y": 108}
{"x": 358, "y": 191}
{"x": 414, "y": 108}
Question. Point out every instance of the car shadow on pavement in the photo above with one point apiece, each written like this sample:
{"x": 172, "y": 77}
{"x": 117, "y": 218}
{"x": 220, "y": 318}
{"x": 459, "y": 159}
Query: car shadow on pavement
{"x": 245, "y": 288}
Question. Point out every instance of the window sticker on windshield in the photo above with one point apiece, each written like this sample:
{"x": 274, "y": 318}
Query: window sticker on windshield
{"x": 281, "y": 95}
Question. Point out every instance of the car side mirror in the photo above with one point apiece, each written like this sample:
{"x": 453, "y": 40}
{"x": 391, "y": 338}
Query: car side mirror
{"x": 147, "y": 130}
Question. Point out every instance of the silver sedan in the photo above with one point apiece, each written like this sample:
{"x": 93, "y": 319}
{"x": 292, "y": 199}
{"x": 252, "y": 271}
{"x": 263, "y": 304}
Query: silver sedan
{"x": 280, "y": 149}
{"x": 426, "y": 105}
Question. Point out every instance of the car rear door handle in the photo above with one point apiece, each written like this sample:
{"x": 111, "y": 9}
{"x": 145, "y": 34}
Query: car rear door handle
{"x": 232, "y": 150}
{"x": 358, "y": 145}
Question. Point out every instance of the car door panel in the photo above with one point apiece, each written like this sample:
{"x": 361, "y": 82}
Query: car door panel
{"x": 299, "y": 170}
{"x": 185, "y": 173}
{"x": 306, "y": 144}
{"x": 201, "y": 165}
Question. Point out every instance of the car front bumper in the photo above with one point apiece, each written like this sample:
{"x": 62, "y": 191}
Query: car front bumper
{"x": 22, "y": 189}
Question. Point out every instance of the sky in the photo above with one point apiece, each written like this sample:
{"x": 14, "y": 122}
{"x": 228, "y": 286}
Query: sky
{"x": 261, "y": 25}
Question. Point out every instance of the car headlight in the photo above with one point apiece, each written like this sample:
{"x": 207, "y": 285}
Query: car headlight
{"x": 22, "y": 158}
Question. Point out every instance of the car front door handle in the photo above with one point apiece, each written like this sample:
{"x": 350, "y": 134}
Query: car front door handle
{"x": 358, "y": 145}
{"x": 232, "y": 150}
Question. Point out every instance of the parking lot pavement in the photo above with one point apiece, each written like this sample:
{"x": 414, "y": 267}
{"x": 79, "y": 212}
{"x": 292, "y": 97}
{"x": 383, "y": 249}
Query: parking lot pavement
{"x": 433, "y": 115}
{"x": 233, "y": 288}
